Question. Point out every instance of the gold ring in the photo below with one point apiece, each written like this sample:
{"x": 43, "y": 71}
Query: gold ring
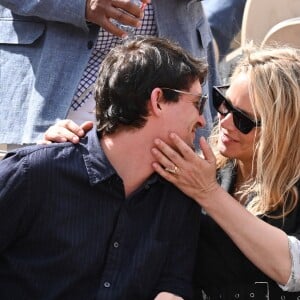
{"x": 172, "y": 171}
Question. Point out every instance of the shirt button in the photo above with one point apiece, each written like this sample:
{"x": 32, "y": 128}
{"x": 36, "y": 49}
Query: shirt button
{"x": 90, "y": 44}
{"x": 106, "y": 284}
{"x": 147, "y": 186}
{"x": 116, "y": 245}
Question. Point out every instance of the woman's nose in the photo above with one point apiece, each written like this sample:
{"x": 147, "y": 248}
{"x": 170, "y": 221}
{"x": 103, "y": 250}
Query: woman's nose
{"x": 227, "y": 121}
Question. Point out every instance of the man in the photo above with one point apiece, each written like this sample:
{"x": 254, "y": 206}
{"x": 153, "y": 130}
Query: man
{"x": 51, "y": 52}
{"x": 91, "y": 220}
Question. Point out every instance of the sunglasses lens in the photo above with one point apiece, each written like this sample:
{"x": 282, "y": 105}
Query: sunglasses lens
{"x": 202, "y": 104}
{"x": 217, "y": 99}
{"x": 242, "y": 123}
{"x": 223, "y": 106}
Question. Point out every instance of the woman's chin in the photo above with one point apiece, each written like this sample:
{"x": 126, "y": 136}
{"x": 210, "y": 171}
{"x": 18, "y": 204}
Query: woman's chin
{"x": 224, "y": 150}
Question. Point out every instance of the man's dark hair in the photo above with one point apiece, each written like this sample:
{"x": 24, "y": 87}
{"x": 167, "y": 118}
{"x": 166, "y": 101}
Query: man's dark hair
{"x": 131, "y": 71}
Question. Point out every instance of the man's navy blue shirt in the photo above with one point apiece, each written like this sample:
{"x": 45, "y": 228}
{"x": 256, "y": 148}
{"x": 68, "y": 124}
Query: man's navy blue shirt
{"x": 67, "y": 231}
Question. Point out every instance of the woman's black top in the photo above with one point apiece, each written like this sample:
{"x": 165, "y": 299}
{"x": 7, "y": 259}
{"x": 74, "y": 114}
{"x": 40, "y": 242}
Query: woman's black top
{"x": 222, "y": 271}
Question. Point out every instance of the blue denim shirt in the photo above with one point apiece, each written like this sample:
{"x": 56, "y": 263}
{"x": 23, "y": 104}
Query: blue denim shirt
{"x": 68, "y": 232}
{"x": 45, "y": 46}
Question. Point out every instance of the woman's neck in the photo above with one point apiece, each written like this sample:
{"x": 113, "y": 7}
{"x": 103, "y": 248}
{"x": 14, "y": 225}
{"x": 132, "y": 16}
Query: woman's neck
{"x": 244, "y": 174}
{"x": 245, "y": 171}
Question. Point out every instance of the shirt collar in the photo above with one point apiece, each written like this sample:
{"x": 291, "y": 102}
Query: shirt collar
{"x": 97, "y": 165}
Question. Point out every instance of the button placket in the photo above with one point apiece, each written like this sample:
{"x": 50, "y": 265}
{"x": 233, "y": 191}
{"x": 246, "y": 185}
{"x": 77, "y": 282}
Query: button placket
{"x": 113, "y": 256}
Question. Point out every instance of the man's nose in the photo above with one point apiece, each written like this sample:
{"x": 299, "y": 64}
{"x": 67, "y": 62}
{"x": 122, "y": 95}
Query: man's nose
{"x": 201, "y": 121}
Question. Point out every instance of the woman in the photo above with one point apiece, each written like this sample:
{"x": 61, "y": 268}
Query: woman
{"x": 249, "y": 243}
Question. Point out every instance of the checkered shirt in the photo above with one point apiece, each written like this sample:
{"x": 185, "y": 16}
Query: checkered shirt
{"x": 104, "y": 43}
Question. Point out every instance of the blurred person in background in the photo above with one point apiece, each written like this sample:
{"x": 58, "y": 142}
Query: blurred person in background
{"x": 225, "y": 19}
{"x": 51, "y": 52}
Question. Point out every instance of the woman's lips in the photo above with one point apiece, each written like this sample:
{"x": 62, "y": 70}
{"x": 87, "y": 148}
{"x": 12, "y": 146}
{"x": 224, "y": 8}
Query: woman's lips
{"x": 227, "y": 139}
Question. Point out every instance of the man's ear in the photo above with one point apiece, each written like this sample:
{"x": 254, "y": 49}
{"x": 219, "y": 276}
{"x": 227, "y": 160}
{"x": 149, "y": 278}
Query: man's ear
{"x": 155, "y": 101}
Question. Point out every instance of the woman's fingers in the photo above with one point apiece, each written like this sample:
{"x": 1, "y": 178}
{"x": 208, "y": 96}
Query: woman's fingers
{"x": 164, "y": 161}
{"x": 163, "y": 173}
{"x": 66, "y": 131}
{"x": 63, "y": 131}
{"x": 207, "y": 151}
{"x": 86, "y": 126}
{"x": 184, "y": 149}
{"x": 166, "y": 155}
{"x": 193, "y": 175}
{"x": 60, "y": 134}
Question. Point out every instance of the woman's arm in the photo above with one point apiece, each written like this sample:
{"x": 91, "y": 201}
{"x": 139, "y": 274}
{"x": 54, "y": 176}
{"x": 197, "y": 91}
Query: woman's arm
{"x": 264, "y": 245}
{"x": 66, "y": 131}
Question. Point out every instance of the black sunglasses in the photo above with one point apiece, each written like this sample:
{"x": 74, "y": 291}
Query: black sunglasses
{"x": 240, "y": 119}
{"x": 199, "y": 104}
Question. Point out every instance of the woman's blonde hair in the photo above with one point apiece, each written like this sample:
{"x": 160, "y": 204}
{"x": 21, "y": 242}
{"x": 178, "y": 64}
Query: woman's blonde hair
{"x": 274, "y": 89}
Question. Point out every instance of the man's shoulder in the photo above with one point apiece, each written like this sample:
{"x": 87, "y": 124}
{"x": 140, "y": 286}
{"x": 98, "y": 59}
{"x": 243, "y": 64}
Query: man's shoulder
{"x": 41, "y": 155}
{"x": 43, "y": 150}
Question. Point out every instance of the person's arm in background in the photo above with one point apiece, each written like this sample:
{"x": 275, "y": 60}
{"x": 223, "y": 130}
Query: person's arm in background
{"x": 79, "y": 12}
{"x": 225, "y": 20}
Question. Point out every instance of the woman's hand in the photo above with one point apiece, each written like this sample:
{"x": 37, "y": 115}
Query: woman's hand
{"x": 66, "y": 131}
{"x": 193, "y": 175}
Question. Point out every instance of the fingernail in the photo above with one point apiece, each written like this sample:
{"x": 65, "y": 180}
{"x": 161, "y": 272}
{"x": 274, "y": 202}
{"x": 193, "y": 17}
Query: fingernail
{"x": 154, "y": 151}
{"x": 156, "y": 142}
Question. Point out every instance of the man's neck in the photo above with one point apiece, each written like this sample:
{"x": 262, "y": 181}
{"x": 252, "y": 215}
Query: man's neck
{"x": 129, "y": 153}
